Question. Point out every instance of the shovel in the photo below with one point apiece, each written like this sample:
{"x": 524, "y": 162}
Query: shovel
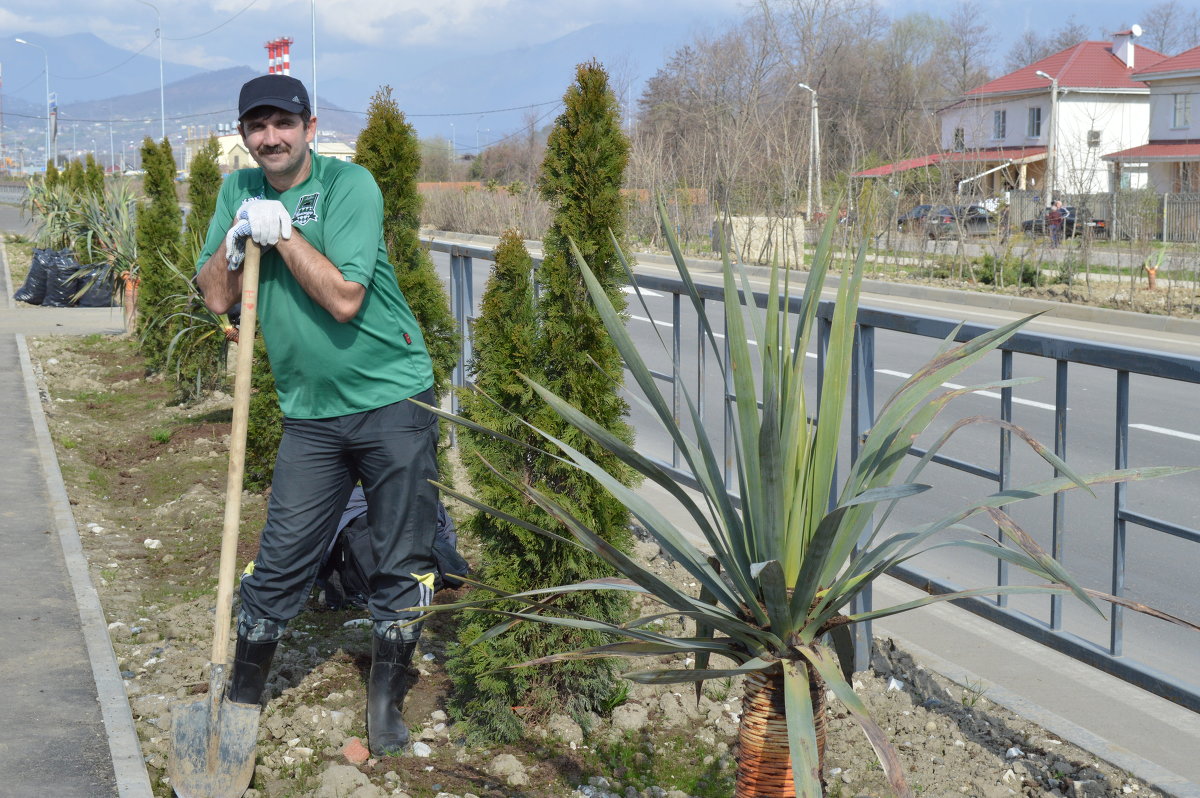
{"x": 212, "y": 738}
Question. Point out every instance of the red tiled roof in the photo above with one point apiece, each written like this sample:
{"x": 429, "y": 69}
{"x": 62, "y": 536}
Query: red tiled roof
{"x": 1087, "y": 65}
{"x": 1185, "y": 149}
{"x": 1186, "y": 61}
{"x": 1016, "y": 154}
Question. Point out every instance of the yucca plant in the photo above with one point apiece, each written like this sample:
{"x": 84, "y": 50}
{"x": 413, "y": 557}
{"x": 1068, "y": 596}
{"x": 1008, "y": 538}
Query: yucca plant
{"x": 199, "y": 339}
{"x": 792, "y": 548}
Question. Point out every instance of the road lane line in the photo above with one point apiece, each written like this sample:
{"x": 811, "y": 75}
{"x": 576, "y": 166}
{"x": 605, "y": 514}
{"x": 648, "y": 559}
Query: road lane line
{"x": 1174, "y": 433}
{"x": 952, "y": 386}
{"x": 629, "y": 289}
{"x": 655, "y": 321}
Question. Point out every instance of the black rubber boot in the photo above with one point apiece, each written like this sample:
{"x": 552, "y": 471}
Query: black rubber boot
{"x": 250, "y": 665}
{"x": 386, "y": 733}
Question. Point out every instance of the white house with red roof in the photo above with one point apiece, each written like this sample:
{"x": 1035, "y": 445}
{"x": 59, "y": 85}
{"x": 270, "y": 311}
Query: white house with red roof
{"x": 1171, "y": 153}
{"x": 1018, "y": 132}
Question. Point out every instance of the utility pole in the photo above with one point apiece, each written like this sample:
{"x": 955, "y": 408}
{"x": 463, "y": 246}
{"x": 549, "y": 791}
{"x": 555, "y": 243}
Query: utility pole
{"x": 162, "y": 103}
{"x": 46, "y": 62}
{"x": 814, "y": 151}
{"x": 1052, "y": 139}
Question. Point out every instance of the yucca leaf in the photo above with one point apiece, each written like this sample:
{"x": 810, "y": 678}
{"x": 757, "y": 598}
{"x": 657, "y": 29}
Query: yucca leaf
{"x": 774, "y": 591}
{"x": 628, "y": 649}
{"x": 671, "y": 676}
{"x": 667, "y": 534}
{"x": 889, "y": 760}
{"x": 1049, "y": 565}
{"x": 801, "y": 731}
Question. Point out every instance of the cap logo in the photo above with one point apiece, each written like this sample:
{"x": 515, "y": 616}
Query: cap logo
{"x": 295, "y": 99}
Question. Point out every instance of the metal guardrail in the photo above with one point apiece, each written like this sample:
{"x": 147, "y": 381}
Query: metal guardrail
{"x": 12, "y": 193}
{"x": 1065, "y": 354}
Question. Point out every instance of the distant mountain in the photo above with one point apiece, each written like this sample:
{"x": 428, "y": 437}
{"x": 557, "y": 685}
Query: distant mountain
{"x": 444, "y": 94}
{"x": 83, "y": 67}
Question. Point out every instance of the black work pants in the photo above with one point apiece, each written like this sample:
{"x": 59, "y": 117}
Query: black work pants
{"x": 393, "y": 450}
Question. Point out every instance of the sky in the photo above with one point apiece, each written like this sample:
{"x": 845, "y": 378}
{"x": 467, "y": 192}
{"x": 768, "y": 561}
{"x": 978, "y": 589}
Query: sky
{"x": 362, "y": 44}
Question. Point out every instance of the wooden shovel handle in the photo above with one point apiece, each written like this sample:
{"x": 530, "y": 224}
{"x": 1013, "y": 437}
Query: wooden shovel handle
{"x": 237, "y": 454}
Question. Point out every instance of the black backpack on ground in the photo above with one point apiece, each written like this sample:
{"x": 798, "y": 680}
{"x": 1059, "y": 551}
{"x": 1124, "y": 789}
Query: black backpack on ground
{"x": 345, "y": 574}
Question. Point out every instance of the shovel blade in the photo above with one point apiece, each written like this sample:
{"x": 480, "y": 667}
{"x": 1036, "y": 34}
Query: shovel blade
{"x": 212, "y": 744}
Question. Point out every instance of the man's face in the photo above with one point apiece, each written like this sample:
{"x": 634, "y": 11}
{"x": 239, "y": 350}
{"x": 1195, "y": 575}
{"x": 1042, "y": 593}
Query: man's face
{"x": 278, "y": 140}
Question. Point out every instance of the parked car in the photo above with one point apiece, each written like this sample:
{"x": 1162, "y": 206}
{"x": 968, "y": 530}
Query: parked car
{"x": 913, "y": 219}
{"x": 1072, "y": 226}
{"x": 966, "y": 220}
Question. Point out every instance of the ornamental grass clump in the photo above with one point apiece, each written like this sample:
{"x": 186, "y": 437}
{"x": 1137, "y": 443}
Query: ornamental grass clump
{"x": 790, "y": 550}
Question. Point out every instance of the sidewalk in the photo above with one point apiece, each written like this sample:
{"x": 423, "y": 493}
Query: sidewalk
{"x": 67, "y": 727}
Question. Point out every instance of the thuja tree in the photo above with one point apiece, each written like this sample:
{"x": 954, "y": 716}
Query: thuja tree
{"x": 265, "y": 428}
{"x": 158, "y": 240}
{"x": 73, "y": 176}
{"x": 389, "y": 148}
{"x": 51, "y": 178}
{"x": 94, "y": 177}
{"x": 505, "y": 344}
{"x": 198, "y": 348}
{"x": 581, "y": 179}
{"x": 204, "y": 183}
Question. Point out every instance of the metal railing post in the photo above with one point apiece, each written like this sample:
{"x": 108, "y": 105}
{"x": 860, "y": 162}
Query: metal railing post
{"x": 1058, "y": 526}
{"x": 1116, "y": 638}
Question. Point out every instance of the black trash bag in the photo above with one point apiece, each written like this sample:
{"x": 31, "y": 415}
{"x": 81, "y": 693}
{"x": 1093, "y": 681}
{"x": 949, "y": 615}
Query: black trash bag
{"x": 61, "y": 283}
{"x": 97, "y": 292}
{"x": 34, "y": 289}
{"x": 348, "y": 564}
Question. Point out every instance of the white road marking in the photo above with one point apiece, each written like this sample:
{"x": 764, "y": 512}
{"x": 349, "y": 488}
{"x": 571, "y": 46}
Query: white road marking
{"x": 655, "y": 321}
{"x": 1174, "y": 433}
{"x": 645, "y": 292}
{"x": 954, "y": 387}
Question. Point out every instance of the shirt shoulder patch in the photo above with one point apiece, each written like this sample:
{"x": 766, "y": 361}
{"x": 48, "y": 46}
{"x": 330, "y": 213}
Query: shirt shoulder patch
{"x": 306, "y": 209}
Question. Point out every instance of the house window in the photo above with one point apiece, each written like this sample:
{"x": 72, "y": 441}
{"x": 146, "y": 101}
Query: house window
{"x": 1187, "y": 177}
{"x": 1093, "y": 139}
{"x": 1034, "y": 129}
{"x": 960, "y": 139}
{"x": 999, "y": 124}
{"x": 1183, "y": 111}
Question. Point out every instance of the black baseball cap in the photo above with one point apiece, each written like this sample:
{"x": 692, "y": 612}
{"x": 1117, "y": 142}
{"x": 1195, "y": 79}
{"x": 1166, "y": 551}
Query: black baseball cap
{"x": 277, "y": 91}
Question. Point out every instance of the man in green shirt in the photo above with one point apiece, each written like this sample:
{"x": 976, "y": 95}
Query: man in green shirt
{"x": 346, "y": 354}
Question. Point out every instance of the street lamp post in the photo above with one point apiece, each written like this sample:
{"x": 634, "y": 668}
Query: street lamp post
{"x": 1052, "y": 139}
{"x": 814, "y": 151}
{"x": 46, "y": 61}
{"x": 162, "y": 102}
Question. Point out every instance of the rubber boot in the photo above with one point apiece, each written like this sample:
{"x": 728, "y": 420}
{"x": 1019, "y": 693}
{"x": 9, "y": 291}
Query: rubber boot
{"x": 251, "y": 662}
{"x": 386, "y": 733}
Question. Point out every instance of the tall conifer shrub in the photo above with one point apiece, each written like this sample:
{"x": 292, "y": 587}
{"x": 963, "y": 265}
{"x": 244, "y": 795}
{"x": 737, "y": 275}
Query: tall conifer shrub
{"x": 204, "y": 183}
{"x": 158, "y": 238}
{"x": 94, "y": 176}
{"x": 569, "y": 351}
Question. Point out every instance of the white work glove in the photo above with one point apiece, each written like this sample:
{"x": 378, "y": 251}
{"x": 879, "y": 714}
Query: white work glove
{"x": 266, "y": 221}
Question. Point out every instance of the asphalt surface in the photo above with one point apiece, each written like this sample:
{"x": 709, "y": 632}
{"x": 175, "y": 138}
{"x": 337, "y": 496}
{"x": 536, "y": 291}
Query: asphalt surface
{"x": 69, "y": 732}
{"x": 67, "y": 727}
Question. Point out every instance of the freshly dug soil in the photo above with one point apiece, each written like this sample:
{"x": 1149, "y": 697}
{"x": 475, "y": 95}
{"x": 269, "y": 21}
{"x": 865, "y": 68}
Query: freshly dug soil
{"x": 146, "y": 481}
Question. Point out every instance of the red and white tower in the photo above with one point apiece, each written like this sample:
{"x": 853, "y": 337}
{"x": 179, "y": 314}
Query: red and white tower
{"x": 279, "y": 56}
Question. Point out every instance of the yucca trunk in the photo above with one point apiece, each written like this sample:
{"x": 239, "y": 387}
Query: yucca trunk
{"x": 764, "y": 759}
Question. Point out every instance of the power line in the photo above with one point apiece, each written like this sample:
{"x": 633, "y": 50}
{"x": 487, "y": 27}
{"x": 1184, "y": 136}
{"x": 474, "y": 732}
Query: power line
{"x": 469, "y": 113}
{"x": 212, "y": 30}
{"x": 110, "y": 69}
